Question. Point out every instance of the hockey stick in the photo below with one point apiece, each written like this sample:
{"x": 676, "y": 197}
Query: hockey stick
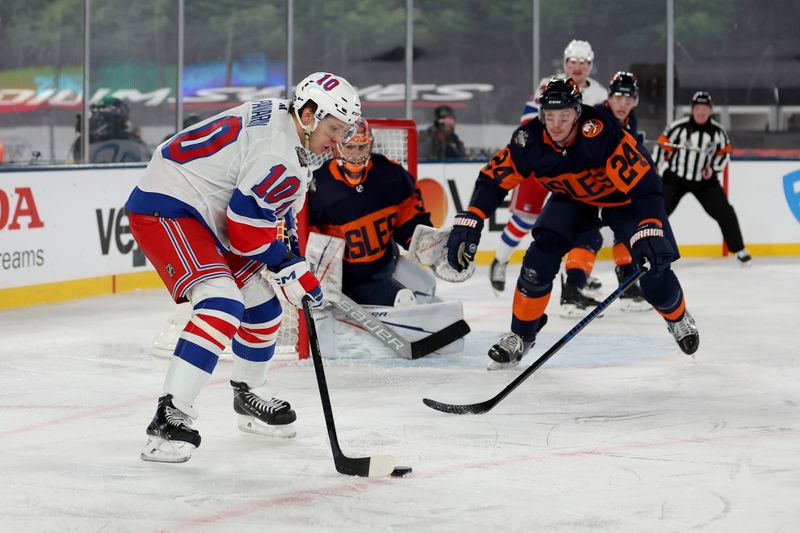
{"x": 388, "y": 336}
{"x": 290, "y": 222}
{"x": 375, "y": 466}
{"x": 483, "y": 407}
{"x": 708, "y": 150}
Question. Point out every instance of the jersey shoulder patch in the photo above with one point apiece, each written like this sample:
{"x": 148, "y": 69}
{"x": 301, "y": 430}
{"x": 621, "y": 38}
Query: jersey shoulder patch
{"x": 592, "y": 128}
{"x": 521, "y": 138}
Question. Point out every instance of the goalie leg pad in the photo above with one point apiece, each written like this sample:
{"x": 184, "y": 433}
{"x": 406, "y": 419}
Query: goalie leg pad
{"x": 417, "y": 279}
{"x": 413, "y": 323}
{"x": 325, "y": 254}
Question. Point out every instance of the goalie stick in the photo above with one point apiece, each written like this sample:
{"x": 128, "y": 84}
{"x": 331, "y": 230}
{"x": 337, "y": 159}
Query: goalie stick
{"x": 484, "y": 407}
{"x": 374, "y": 466}
{"x": 388, "y": 336}
{"x": 384, "y": 333}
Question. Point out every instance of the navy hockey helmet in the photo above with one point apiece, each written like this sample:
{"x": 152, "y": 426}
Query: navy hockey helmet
{"x": 623, "y": 84}
{"x": 561, "y": 93}
{"x": 702, "y": 98}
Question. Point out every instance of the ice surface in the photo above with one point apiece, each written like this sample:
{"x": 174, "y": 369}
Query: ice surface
{"x": 618, "y": 432}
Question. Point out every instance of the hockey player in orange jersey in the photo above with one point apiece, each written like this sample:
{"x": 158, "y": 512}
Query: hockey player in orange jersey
{"x": 597, "y": 173}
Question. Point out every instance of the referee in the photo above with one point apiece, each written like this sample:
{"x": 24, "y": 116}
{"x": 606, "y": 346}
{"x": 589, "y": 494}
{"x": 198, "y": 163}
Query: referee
{"x": 690, "y": 154}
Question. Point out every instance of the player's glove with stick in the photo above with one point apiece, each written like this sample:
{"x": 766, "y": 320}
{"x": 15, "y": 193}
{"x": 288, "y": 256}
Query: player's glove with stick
{"x": 648, "y": 242}
{"x": 295, "y": 280}
{"x": 463, "y": 241}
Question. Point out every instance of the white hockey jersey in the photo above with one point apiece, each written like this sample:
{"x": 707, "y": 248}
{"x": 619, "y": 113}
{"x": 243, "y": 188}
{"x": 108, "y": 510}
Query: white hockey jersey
{"x": 593, "y": 93}
{"x": 238, "y": 173}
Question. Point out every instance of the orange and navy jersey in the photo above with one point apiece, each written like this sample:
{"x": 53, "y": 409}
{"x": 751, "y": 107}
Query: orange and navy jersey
{"x": 630, "y": 123}
{"x": 604, "y": 166}
{"x": 386, "y": 207}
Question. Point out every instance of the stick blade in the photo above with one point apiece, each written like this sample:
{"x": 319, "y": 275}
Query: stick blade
{"x": 454, "y": 409}
{"x": 439, "y": 339}
{"x": 381, "y": 465}
{"x": 376, "y": 466}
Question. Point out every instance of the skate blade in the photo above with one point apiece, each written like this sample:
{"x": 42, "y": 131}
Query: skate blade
{"x": 160, "y": 450}
{"x": 634, "y": 307}
{"x": 254, "y": 426}
{"x": 573, "y": 311}
{"x": 494, "y": 365}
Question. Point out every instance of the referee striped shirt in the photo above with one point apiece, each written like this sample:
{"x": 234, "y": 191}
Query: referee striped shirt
{"x": 685, "y": 148}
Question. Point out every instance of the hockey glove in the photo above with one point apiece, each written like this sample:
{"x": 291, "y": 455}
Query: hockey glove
{"x": 295, "y": 280}
{"x": 462, "y": 245}
{"x": 648, "y": 242}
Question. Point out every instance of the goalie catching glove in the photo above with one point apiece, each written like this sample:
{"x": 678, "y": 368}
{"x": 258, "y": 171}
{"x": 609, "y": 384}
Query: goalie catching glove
{"x": 462, "y": 245}
{"x": 295, "y": 280}
{"x": 429, "y": 247}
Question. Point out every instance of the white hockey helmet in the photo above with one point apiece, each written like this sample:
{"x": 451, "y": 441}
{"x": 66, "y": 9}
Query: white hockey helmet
{"x": 579, "y": 50}
{"x": 333, "y": 95}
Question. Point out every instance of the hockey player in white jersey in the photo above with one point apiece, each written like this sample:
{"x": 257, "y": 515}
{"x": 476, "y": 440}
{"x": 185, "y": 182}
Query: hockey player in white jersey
{"x": 206, "y": 214}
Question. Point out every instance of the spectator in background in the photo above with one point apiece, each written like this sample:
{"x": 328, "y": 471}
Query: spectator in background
{"x": 112, "y": 137}
{"x": 440, "y": 141}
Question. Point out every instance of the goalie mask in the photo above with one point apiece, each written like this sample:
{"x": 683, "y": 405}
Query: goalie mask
{"x": 333, "y": 96}
{"x": 354, "y": 154}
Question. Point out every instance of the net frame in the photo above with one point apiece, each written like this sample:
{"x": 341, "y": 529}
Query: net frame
{"x": 397, "y": 140}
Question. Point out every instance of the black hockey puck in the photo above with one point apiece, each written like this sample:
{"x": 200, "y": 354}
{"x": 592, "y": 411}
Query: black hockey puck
{"x": 400, "y": 471}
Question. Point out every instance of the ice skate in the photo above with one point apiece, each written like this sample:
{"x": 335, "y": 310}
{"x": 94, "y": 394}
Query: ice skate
{"x": 497, "y": 275}
{"x": 271, "y": 418}
{"x": 685, "y": 333}
{"x": 171, "y": 438}
{"x": 593, "y": 287}
{"x": 631, "y": 300}
{"x": 575, "y": 304}
{"x": 744, "y": 258}
{"x": 511, "y": 348}
{"x": 508, "y": 351}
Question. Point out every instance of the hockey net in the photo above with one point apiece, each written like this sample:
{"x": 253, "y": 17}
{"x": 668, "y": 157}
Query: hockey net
{"x": 395, "y": 139}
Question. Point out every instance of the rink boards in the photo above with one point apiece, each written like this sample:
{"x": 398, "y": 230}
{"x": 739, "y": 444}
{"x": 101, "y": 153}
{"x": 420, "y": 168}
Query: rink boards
{"x": 64, "y": 232}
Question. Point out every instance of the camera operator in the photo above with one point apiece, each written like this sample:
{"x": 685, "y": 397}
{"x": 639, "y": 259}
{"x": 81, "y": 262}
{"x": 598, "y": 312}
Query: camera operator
{"x": 112, "y": 137}
{"x": 440, "y": 141}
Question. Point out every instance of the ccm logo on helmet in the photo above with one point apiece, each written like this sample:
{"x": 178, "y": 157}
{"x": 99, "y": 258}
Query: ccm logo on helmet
{"x": 592, "y": 128}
